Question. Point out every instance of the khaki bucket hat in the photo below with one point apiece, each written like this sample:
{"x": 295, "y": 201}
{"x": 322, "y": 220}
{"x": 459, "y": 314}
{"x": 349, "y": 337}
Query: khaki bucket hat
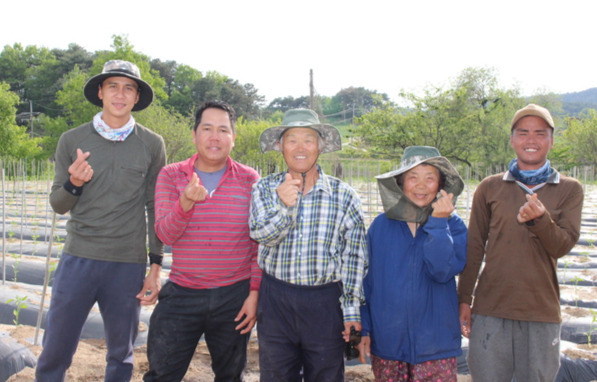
{"x": 532, "y": 110}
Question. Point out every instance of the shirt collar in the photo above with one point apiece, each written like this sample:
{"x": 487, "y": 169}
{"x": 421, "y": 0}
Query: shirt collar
{"x": 322, "y": 183}
{"x": 189, "y": 166}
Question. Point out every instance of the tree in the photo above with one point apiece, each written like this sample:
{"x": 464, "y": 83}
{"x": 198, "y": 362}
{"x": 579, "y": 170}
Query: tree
{"x": 215, "y": 86}
{"x": 180, "y": 89}
{"x": 19, "y": 65}
{"x": 580, "y": 137}
{"x": 16, "y": 60}
{"x": 76, "y": 110}
{"x": 167, "y": 70}
{"x": 490, "y": 110}
{"x": 468, "y": 122}
{"x": 53, "y": 128}
{"x": 246, "y": 147}
{"x": 385, "y": 130}
{"x": 66, "y": 60}
{"x": 36, "y": 74}
{"x": 284, "y": 104}
{"x": 356, "y": 101}
{"x": 173, "y": 127}
{"x": 13, "y": 138}
{"x": 73, "y": 55}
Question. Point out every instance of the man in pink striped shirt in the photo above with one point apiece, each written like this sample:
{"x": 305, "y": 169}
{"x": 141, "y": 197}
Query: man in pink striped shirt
{"x": 202, "y": 211}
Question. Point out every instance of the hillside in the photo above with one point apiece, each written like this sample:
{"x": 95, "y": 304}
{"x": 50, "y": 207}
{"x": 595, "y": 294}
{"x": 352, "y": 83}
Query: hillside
{"x": 574, "y": 103}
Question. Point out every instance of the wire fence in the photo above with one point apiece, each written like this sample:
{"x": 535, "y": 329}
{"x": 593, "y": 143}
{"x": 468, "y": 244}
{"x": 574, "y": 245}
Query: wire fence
{"x": 27, "y": 215}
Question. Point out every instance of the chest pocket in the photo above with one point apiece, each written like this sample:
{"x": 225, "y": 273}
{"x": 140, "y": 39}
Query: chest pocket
{"x": 129, "y": 181}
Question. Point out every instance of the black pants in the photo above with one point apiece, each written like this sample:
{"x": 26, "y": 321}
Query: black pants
{"x": 300, "y": 327}
{"x": 179, "y": 320}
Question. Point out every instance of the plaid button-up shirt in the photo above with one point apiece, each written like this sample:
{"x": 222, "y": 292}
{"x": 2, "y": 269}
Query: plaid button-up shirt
{"x": 319, "y": 240}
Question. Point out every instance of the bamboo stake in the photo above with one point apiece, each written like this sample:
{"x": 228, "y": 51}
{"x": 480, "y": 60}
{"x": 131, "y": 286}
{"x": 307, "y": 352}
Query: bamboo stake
{"x": 46, "y": 280}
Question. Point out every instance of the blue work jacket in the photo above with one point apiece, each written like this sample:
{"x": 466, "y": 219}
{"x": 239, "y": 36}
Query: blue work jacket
{"x": 411, "y": 310}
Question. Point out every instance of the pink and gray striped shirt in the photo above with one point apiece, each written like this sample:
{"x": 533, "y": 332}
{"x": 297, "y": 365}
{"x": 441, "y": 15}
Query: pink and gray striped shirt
{"x": 210, "y": 243}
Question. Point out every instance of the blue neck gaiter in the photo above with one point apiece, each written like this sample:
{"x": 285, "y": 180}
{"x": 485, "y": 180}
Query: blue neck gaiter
{"x": 530, "y": 177}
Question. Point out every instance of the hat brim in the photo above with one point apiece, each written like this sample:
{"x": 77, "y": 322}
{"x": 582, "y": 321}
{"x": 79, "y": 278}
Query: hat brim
{"x": 92, "y": 86}
{"x": 269, "y": 138}
{"x": 397, "y": 206}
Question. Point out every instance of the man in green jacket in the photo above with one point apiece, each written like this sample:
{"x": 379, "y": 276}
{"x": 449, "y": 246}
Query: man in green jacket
{"x": 105, "y": 176}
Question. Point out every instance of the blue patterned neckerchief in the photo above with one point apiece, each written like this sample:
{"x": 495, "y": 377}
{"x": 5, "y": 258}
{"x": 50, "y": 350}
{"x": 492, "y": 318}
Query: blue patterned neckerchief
{"x": 109, "y": 133}
{"x": 530, "y": 177}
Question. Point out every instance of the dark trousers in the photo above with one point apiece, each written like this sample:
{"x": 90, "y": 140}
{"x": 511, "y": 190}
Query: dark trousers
{"x": 78, "y": 284}
{"x": 300, "y": 328}
{"x": 179, "y": 320}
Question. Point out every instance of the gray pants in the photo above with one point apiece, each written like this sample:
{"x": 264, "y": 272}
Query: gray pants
{"x": 500, "y": 349}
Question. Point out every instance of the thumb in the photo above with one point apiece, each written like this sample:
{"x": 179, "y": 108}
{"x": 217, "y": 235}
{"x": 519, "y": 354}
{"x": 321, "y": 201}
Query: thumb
{"x": 81, "y": 156}
{"x": 287, "y": 177}
{"x": 194, "y": 179}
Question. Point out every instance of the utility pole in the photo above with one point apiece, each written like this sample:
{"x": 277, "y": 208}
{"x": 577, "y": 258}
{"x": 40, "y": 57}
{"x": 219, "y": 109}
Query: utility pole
{"x": 22, "y": 117}
{"x": 311, "y": 91}
{"x": 31, "y": 118}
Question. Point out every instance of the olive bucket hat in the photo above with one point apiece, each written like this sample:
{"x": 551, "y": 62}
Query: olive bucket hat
{"x": 119, "y": 68}
{"x": 301, "y": 118}
{"x": 399, "y": 207}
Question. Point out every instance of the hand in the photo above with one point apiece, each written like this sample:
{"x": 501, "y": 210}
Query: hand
{"x": 532, "y": 209}
{"x": 364, "y": 349}
{"x": 347, "y": 326}
{"x": 80, "y": 170}
{"x": 465, "y": 319}
{"x": 249, "y": 312}
{"x": 443, "y": 207}
{"x": 151, "y": 285}
{"x": 193, "y": 192}
{"x": 288, "y": 190}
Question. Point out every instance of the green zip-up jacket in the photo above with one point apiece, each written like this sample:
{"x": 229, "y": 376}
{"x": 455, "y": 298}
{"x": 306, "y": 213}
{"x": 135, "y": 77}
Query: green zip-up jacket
{"x": 108, "y": 221}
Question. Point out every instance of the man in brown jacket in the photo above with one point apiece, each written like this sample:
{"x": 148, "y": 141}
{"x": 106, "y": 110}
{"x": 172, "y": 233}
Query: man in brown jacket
{"x": 521, "y": 222}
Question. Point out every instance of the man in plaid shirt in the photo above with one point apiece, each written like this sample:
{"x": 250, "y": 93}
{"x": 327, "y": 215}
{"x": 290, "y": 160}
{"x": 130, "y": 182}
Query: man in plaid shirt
{"x": 313, "y": 253}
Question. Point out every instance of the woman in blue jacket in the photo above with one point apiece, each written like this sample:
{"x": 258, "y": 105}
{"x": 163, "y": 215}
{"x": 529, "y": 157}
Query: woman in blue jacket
{"x": 416, "y": 248}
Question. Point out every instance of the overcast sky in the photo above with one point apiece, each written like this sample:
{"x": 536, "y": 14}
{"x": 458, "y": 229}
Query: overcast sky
{"x": 388, "y": 46}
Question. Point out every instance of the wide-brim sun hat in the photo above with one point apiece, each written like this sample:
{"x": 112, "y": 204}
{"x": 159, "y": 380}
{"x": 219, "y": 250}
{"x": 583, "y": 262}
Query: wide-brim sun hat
{"x": 269, "y": 138}
{"x": 396, "y": 205}
{"x": 119, "y": 68}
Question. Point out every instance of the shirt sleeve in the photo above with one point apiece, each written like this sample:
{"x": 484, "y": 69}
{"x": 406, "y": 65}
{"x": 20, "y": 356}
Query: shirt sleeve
{"x": 256, "y": 272}
{"x": 559, "y": 235}
{"x": 170, "y": 219}
{"x": 367, "y": 287}
{"x": 61, "y": 200}
{"x": 354, "y": 260}
{"x": 444, "y": 250}
{"x": 156, "y": 247}
{"x": 478, "y": 231}
{"x": 270, "y": 220}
